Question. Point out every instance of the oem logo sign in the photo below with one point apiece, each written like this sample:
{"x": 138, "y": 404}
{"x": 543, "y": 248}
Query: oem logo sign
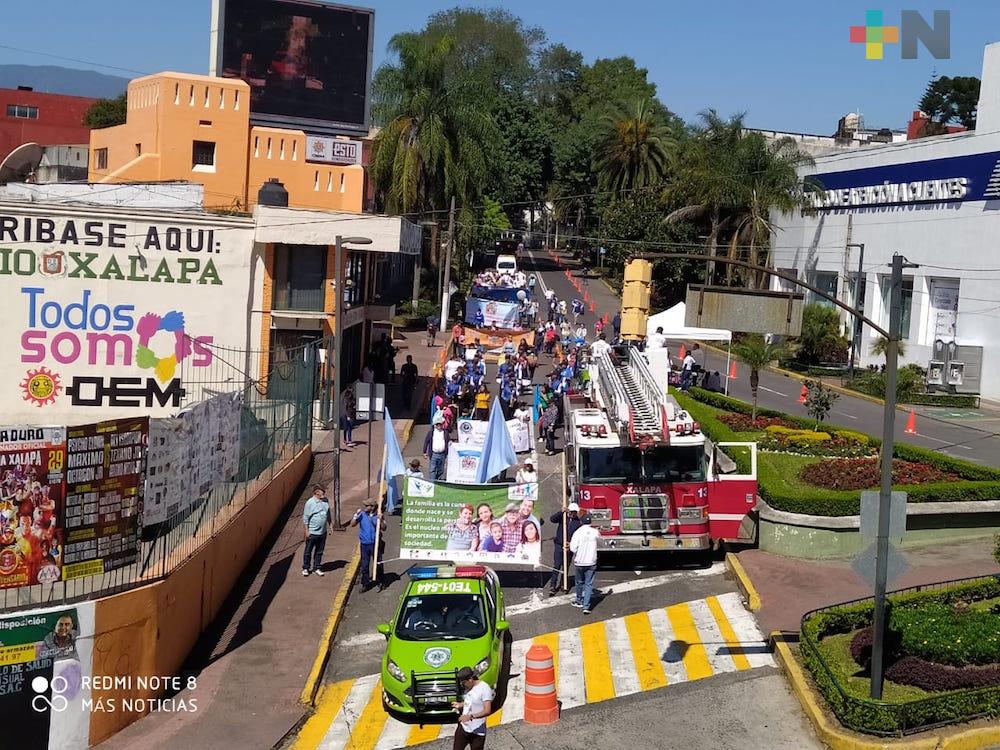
{"x": 875, "y": 34}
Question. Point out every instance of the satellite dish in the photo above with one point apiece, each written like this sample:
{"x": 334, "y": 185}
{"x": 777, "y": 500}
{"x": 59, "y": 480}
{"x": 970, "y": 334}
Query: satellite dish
{"x": 20, "y": 162}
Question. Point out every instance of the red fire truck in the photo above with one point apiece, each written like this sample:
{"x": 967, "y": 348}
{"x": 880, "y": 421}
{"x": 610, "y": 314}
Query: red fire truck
{"x": 642, "y": 467}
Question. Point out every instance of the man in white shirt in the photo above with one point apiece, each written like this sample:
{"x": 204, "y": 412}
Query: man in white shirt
{"x": 600, "y": 347}
{"x": 475, "y": 706}
{"x": 687, "y": 369}
{"x": 656, "y": 340}
{"x": 583, "y": 545}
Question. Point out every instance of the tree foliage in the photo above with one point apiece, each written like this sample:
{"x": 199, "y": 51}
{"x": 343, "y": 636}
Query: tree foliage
{"x": 820, "y": 340}
{"x": 757, "y": 354}
{"x": 635, "y": 149}
{"x": 106, "y": 113}
{"x": 819, "y": 400}
{"x": 947, "y": 100}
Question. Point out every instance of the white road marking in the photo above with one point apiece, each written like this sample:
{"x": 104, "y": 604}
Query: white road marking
{"x": 536, "y": 603}
{"x": 342, "y": 726}
{"x": 711, "y": 637}
{"x": 626, "y": 679}
{"x": 394, "y": 734}
{"x": 671, "y": 657}
{"x": 747, "y": 632}
{"x": 361, "y": 639}
{"x": 572, "y": 687}
{"x": 845, "y": 414}
{"x": 513, "y": 706}
{"x": 776, "y": 393}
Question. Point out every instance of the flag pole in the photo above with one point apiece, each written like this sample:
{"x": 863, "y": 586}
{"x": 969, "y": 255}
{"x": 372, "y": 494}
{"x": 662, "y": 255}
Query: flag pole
{"x": 565, "y": 513}
{"x": 378, "y": 520}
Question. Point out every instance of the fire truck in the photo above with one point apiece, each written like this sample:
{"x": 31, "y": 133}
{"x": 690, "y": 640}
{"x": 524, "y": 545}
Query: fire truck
{"x": 640, "y": 465}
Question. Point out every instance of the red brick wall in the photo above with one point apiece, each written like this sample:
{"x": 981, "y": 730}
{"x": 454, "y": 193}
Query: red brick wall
{"x": 60, "y": 120}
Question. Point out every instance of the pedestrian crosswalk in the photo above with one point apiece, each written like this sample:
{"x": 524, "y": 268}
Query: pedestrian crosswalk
{"x": 595, "y": 662}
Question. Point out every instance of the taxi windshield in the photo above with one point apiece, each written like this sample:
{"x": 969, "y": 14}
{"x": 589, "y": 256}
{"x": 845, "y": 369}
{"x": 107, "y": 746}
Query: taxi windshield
{"x": 442, "y": 617}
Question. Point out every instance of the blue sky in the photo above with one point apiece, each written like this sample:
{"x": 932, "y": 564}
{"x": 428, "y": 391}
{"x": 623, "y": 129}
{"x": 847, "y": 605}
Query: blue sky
{"x": 789, "y": 65}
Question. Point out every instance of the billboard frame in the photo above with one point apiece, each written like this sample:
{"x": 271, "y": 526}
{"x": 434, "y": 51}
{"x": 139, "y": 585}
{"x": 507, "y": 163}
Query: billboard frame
{"x": 311, "y": 126}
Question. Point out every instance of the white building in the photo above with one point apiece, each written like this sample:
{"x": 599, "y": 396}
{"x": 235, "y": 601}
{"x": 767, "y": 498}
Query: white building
{"x": 937, "y": 202}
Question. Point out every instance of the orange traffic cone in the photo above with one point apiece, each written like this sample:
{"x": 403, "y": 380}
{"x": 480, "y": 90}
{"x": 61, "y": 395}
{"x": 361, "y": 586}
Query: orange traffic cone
{"x": 732, "y": 371}
{"x": 802, "y": 394}
{"x": 540, "y": 705}
{"x": 586, "y": 296}
{"x": 592, "y": 307}
{"x": 911, "y": 423}
{"x": 682, "y": 352}
{"x": 605, "y": 318}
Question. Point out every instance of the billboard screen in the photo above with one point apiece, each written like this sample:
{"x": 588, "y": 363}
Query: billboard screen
{"x": 304, "y": 61}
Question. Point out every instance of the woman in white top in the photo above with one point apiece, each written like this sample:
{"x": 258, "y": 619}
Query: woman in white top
{"x": 527, "y": 473}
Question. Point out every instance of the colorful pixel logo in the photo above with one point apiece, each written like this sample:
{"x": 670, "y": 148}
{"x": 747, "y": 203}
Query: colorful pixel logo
{"x": 874, "y": 35}
{"x": 913, "y": 28}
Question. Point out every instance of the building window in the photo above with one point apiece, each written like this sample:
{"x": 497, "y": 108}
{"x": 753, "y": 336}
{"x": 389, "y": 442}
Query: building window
{"x": 203, "y": 156}
{"x": 826, "y": 282}
{"x": 299, "y": 277}
{"x": 907, "y": 298}
{"x": 138, "y": 149}
{"x": 101, "y": 158}
{"x": 22, "y": 111}
{"x": 942, "y": 324}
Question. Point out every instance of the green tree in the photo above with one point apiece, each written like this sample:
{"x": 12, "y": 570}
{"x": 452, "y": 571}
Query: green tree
{"x": 757, "y": 354}
{"x": 634, "y": 150}
{"x": 820, "y": 339}
{"x": 106, "y": 113}
{"x": 881, "y": 345}
{"x": 947, "y": 100}
{"x": 433, "y": 139}
{"x": 819, "y": 400}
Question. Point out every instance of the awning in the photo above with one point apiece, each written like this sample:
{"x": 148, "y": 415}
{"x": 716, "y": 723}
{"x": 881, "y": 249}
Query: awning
{"x": 672, "y": 322}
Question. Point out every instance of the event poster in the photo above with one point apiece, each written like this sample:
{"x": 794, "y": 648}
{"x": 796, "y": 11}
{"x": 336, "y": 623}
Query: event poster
{"x": 104, "y": 489}
{"x": 44, "y": 657}
{"x": 32, "y": 461}
{"x": 166, "y": 470}
{"x": 499, "y": 314}
{"x": 483, "y": 523}
{"x": 472, "y": 433}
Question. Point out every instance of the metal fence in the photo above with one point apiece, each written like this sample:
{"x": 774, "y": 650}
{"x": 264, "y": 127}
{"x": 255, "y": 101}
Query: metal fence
{"x": 899, "y": 719}
{"x": 276, "y": 422}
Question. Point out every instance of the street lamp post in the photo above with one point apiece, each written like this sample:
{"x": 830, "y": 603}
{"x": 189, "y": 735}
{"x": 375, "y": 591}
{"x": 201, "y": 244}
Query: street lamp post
{"x": 338, "y": 332}
{"x": 858, "y": 291}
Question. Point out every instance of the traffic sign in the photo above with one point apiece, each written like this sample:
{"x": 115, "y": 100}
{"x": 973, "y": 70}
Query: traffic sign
{"x": 869, "y": 515}
{"x": 864, "y": 564}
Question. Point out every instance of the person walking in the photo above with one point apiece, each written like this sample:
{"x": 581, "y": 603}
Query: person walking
{"x": 317, "y": 520}
{"x": 436, "y": 448}
{"x": 583, "y": 545}
{"x": 616, "y": 325}
{"x": 561, "y": 543}
{"x": 348, "y": 414}
{"x": 408, "y": 374}
{"x": 687, "y": 370}
{"x": 366, "y": 519}
{"x": 475, "y": 706}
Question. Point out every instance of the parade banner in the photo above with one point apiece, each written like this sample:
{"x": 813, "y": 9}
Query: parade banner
{"x": 499, "y": 314}
{"x": 105, "y": 472}
{"x": 472, "y": 433}
{"x": 493, "y": 524}
{"x": 32, "y": 462}
{"x": 45, "y": 674}
{"x": 494, "y": 340}
{"x": 462, "y": 463}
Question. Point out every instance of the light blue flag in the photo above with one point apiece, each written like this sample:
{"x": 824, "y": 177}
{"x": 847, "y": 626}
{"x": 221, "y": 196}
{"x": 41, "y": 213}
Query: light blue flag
{"x": 498, "y": 450}
{"x": 394, "y": 465}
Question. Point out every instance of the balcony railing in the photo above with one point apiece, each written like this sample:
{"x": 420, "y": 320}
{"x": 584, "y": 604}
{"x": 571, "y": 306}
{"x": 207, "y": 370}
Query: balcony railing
{"x": 306, "y": 300}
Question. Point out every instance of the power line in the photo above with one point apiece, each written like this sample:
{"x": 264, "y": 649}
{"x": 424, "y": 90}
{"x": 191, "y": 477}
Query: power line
{"x": 71, "y": 59}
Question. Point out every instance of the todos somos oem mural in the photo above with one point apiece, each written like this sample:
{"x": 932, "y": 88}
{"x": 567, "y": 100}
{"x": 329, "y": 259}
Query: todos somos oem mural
{"x": 106, "y": 312}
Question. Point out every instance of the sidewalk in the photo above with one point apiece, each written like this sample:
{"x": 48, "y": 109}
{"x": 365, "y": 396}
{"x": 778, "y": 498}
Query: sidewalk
{"x": 790, "y": 587}
{"x": 252, "y": 664}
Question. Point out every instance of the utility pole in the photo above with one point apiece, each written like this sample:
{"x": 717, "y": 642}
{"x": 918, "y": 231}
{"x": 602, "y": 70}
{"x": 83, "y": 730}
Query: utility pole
{"x": 859, "y": 289}
{"x": 446, "y": 290}
{"x": 885, "y": 487}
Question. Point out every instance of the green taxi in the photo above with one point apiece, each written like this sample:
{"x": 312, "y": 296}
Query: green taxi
{"x": 448, "y": 617}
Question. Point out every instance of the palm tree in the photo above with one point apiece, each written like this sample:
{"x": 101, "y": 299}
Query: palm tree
{"x": 707, "y": 179}
{"x": 432, "y": 142}
{"x": 635, "y": 149}
{"x": 769, "y": 181}
{"x": 757, "y": 354}
{"x": 881, "y": 345}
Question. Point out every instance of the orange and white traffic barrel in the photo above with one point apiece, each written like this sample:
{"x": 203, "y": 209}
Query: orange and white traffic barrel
{"x": 540, "y": 705}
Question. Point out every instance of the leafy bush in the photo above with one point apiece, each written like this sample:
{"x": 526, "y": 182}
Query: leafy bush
{"x": 743, "y": 422}
{"x": 820, "y": 339}
{"x": 416, "y": 315}
{"x": 942, "y": 633}
{"x": 926, "y": 675}
{"x": 909, "y": 383}
{"x": 861, "y": 473}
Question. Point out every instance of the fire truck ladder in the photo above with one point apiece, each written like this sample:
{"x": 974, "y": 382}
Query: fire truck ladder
{"x": 632, "y": 396}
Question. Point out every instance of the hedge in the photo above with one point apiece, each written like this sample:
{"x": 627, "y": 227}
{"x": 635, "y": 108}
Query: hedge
{"x": 978, "y": 482}
{"x": 881, "y": 717}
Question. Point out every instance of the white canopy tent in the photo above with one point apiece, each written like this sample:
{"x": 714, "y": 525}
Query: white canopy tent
{"x": 671, "y": 321}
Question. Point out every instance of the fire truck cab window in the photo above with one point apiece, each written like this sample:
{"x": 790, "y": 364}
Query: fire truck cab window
{"x": 674, "y": 464}
{"x": 609, "y": 465}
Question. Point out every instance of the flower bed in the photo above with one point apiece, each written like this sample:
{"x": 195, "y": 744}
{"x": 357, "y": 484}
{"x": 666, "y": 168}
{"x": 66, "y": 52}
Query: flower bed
{"x": 942, "y": 659}
{"x": 864, "y": 473}
{"x": 842, "y": 443}
{"x": 743, "y": 422}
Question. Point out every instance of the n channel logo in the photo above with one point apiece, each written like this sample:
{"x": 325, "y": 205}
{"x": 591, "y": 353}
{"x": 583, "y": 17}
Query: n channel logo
{"x": 58, "y": 702}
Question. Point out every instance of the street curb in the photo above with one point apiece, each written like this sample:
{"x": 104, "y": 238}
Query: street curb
{"x": 735, "y": 568}
{"x": 408, "y": 425}
{"x": 838, "y": 738}
{"x": 330, "y": 631}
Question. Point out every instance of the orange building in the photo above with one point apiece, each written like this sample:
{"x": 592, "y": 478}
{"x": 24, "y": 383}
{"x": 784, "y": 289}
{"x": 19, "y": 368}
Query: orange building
{"x": 196, "y": 128}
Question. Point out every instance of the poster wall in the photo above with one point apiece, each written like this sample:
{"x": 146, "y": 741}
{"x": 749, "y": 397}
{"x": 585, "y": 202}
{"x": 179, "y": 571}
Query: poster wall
{"x": 105, "y": 471}
{"x": 113, "y": 313}
{"x": 499, "y": 314}
{"x": 189, "y": 455}
{"x": 493, "y": 524}
{"x": 46, "y": 660}
{"x": 32, "y": 462}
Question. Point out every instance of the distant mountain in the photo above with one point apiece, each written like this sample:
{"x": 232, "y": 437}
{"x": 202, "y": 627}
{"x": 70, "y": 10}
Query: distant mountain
{"x": 54, "y": 79}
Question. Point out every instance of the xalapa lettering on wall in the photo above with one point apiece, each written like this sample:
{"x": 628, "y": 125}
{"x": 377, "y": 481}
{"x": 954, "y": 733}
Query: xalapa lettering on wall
{"x": 107, "y": 315}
